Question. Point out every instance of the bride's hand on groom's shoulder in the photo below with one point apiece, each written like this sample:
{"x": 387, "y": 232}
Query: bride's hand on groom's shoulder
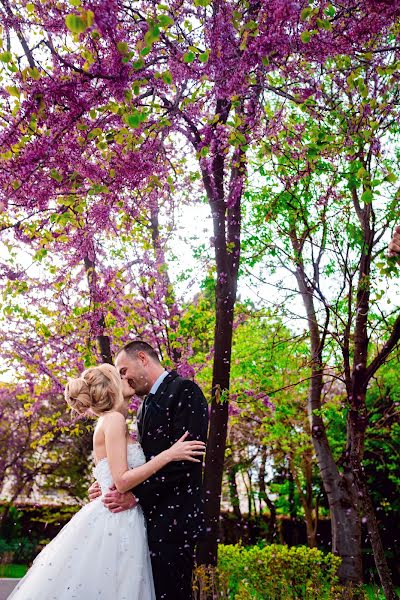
{"x": 117, "y": 501}
{"x": 186, "y": 450}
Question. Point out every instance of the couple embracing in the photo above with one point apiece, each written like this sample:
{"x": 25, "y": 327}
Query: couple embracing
{"x": 136, "y": 539}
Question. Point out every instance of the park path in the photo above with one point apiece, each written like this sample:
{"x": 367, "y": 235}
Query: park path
{"x": 6, "y": 586}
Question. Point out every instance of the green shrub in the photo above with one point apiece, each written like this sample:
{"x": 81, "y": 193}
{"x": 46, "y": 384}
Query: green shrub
{"x": 20, "y": 550}
{"x": 271, "y": 572}
{"x": 26, "y": 550}
{"x": 6, "y": 551}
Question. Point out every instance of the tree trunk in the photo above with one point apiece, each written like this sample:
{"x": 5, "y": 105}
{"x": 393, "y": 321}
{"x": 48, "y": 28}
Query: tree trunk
{"x": 233, "y": 492}
{"x": 341, "y": 493}
{"x": 374, "y": 535}
{"x": 346, "y": 530}
{"x": 252, "y": 499}
{"x": 340, "y": 489}
{"x": 307, "y": 498}
{"x": 103, "y": 341}
{"x": 357, "y": 417}
{"x": 248, "y": 494}
{"x": 291, "y": 498}
{"x": 264, "y": 496}
{"x": 173, "y": 322}
{"x": 214, "y": 464}
{"x": 226, "y": 215}
{"x": 357, "y": 430}
{"x": 311, "y": 529}
{"x": 310, "y": 510}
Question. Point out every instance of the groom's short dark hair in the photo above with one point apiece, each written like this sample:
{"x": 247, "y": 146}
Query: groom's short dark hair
{"x": 135, "y": 346}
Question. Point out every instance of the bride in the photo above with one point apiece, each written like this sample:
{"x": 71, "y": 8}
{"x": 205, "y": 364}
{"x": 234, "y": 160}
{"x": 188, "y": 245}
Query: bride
{"x": 100, "y": 555}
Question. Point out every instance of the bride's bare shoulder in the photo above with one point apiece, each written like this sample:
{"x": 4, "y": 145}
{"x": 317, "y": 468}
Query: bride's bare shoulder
{"x": 113, "y": 418}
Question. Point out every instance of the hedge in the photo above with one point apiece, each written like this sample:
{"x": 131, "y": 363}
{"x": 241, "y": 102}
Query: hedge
{"x": 270, "y": 572}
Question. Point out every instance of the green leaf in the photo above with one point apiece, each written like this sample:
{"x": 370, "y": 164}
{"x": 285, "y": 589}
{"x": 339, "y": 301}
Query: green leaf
{"x": 305, "y": 37}
{"x": 138, "y": 64}
{"x": 324, "y": 24}
{"x": 391, "y": 177}
{"x": 330, "y": 10}
{"x": 54, "y": 174}
{"x": 367, "y": 197}
{"x": 88, "y": 17}
{"x": 40, "y": 254}
{"x": 189, "y": 57}
{"x": 167, "y": 77}
{"x": 152, "y": 35}
{"x": 361, "y": 173}
{"x": 13, "y": 91}
{"x": 202, "y": 2}
{"x": 134, "y": 119}
{"x": 34, "y": 73}
{"x": 165, "y": 21}
{"x": 6, "y": 57}
{"x": 305, "y": 13}
{"x": 204, "y": 56}
{"x": 75, "y": 23}
{"x": 95, "y": 133}
{"x": 312, "y": 150}
{"x": 123, "y": 47}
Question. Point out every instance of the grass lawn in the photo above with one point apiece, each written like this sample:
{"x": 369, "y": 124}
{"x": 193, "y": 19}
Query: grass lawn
{"x": 13, "y": 570}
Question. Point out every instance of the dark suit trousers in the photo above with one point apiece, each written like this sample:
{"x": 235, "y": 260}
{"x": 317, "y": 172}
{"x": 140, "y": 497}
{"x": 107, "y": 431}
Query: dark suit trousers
{"x": 172, "y": 566}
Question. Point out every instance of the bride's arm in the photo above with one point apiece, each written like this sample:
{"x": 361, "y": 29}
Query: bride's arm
{"x": 125, "y": 479}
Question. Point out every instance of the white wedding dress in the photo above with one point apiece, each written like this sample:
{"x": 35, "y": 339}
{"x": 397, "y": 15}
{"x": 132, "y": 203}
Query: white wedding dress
{"x": 98, "y": 555}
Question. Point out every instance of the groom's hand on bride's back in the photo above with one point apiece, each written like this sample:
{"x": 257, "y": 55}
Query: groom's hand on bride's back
{"x": 113, "y": 500}
{"x": 94, "y": 491}
{"x": 117, "y": 502}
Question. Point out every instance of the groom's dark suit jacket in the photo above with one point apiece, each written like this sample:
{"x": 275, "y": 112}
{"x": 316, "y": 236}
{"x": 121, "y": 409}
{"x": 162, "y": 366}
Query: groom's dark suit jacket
{"x": 172, "y": 499}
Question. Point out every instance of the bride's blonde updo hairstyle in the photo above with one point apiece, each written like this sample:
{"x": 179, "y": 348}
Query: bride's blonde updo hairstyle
{"x": 97, "y": 390}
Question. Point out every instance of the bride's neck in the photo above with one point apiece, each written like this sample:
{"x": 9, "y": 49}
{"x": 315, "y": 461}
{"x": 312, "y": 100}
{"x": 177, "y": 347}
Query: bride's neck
{"x": 122, "y": 407}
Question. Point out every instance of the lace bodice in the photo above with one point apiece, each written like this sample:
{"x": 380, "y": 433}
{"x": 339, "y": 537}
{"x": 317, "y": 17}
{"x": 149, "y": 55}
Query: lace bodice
{"x": 102, "y": 471}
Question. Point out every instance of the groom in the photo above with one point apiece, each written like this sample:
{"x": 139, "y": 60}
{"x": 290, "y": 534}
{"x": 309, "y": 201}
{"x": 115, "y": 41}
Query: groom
{"x": 171, "y": 499}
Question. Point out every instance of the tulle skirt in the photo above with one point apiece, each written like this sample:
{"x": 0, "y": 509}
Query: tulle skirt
{"x": 98, "y": 555}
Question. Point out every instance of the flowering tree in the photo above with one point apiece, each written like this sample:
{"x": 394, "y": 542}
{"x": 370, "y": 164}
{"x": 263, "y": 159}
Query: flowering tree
{"x": 102, "y": 87}
{"x": 38, "y": 445}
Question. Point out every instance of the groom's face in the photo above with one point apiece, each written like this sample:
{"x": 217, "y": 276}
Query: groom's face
{"x": 133, "y": 370}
